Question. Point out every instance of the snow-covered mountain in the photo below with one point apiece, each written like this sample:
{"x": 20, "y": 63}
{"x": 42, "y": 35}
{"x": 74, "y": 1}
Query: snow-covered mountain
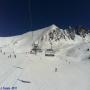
{"x": 43, "y": 37}
{"x": 68, "y": 69}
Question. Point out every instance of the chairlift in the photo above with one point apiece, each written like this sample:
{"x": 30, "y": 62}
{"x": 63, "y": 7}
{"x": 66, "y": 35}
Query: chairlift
{"x": 32, "y": 51}
{"x": 39, "y": 50}
{"x": 49, "y": 52}
{"x": 35, "y": 49}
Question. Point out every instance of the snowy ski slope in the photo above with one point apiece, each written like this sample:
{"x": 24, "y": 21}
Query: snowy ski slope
{"x": 69, "y": 69}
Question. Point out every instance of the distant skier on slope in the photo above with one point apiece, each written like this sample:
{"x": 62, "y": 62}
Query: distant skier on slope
{"x": 56, "y": 69}
{"x": 15, "y": 55}
{"x": 1, "y": 50}
{"x": 4, "y": 53}
{"x": 10, "y": 56}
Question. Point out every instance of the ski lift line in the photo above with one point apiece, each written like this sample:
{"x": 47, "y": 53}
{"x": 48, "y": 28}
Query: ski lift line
{"x": 28, "y": 17}
{"x": 30, "y": 13}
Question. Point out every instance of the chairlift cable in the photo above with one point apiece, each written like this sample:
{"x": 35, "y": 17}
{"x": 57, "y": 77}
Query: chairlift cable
{"x": 30, "y": 16}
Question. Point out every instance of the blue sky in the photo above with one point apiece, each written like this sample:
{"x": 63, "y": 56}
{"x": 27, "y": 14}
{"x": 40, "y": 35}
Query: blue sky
{"x": 15, "y": 15}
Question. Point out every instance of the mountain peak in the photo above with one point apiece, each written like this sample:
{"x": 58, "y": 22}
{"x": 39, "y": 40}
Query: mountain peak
{"x": 53, "y": 26}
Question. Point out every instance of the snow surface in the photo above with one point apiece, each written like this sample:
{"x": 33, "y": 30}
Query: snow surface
{"x": 37, "y": 72}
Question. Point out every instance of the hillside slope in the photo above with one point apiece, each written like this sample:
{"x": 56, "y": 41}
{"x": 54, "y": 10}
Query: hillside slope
{"x": 69, "y": 69}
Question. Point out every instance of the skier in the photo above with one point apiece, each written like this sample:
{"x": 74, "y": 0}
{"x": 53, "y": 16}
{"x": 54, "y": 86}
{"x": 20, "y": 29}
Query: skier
{"x": 69, "y": 62}
{"x": 14, "y": 55}
{"x": 1, "y": 50}
{"x": 4, "y": 53}
{"x": 10, "y": 56}
{"x": 56, "y": 69}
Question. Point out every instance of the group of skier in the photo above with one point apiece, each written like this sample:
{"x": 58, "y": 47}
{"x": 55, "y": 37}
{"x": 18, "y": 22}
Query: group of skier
{"x": 9, "y": 56}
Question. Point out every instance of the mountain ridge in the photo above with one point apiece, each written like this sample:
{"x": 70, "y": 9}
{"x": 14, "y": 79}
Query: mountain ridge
{"x": 44, "y": 38}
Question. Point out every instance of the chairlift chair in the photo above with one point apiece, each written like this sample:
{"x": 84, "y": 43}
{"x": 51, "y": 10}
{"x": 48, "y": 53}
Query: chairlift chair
{"x": 49, "y": 52}
{"x": 32, "y": 51}
{"x": 39, "y": 50}
{"x": 35, "y": 49}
